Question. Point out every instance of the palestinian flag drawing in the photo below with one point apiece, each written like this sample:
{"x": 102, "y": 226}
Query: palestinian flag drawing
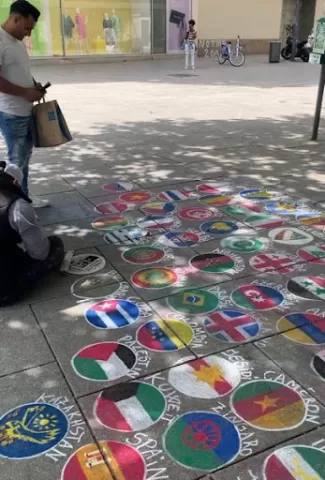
{"x": 212, "y": 263}
{"x": 318, "y": 364}
{"x": 219, "y": 228}
{"x": 290, "y": 236}
{"x": 268, "y": 262}
{"x": 256, "y": 194}
{"x": 135, "y": 197}
{"x": 211, "y": 377}
{"x": 295, "y": 462}
{"x": 111, "y": 222}
{"x": 143, "y": 255}
{"x": 217, "y": 200}
{"x": 257, "y": 297}
{"x": 268, "y": 405}
{"x": 111, "y": 208}
{"x": 158, "y": 208}
{"x": 231, "y": 326}
{"x": 193, "y": 302}
{"x": 89, "y": 463}
{"x": 168, "y": 335}
{"x": 202, "y": 441}
{"x": 155, "y": 278}
{"x": 130, "y": 407}
{"x": 110, "y": 314}
{"x": 313, "y": 253}
{"x": 104, "y": 361}
{"x": 117, "y": 187}
{"x": 174, "y": 195}
{"x": 310, "y": 328}
{"x": 244, "y": 244}
{"x": 264, "y": 220}
{"x": 315, "y": 285}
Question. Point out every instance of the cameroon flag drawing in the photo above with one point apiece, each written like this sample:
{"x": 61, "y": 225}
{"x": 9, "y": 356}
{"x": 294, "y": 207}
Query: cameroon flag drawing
{"x": 295, "y": 462}
{"x": 268, "y": 405}
{"x": 202, "y": 441}
{"x": 89, "y": 463}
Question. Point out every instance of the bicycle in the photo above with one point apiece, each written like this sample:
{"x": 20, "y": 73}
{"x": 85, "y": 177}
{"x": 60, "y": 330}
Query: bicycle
{"x": 234, "y": 55}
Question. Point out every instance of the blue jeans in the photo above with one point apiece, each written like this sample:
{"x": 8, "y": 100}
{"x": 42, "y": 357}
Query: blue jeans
{"x": 18, "y": 137}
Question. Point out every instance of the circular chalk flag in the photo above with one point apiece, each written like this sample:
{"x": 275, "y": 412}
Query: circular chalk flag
{"x": 231, "y": 326}
{"x": 112, "y": 313}
{"x": 117, "y": 187}
{"x": 195, "y": 301}
{"x": 217, "y": 200}
{"x": 256, "y": 194}
{"x": 174, "y": 195}
{"x": 269, "y": 262}
{"x": 90, "y": 463}
{"x": 179, "y": 239}
{"x": 303, "y": 327}
{"x": 313, "y": 253}
{"x": 214, "y": 188}
{"x": 318, "y": 364}
{"x": 257, "y": 297}
{"x": 135, "y": 197}
{"x": 196, "y": 213}
{"x": 102, "y": 362}
{"x": 31, "y": 430}
{"x": 130, "y": 407}
{"x": 290, "y": 236}
{"x": 264, "y": 220}
{"x": 155, "y": 278}
{"x": 143, "y": 255}
{"x": 86, "y": 264}
{"x": 111, "y": 222}
{"x": 165, "y": 335}
{"x": 202, "y": 441}
{"x": 295, "y": 462}
{"x": 314, "y": 286}
{"x": 212, "y": 263}
{"x": 219, "y": 228}
{"x": 243, "y": 244}
{"x": 159, "y": 208}
{"x": 268, "y": 405}
{"x": 210, "y": 377}
{"x": 111, "y": 208}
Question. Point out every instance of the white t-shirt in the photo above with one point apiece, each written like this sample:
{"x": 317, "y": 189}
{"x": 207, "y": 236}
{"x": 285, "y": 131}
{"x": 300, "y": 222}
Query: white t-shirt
{"x": 15, "y": 68}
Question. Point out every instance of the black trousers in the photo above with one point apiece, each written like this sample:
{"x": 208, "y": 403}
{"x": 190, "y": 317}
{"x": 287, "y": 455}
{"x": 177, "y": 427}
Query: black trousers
{"x": 28, "y": 272}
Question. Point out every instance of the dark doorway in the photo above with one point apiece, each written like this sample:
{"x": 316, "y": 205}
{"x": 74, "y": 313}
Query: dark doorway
{"x": 158, "y": 26}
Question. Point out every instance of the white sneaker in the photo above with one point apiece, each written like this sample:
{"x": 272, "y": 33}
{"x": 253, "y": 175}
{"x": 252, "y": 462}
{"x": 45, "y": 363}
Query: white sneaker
{"x": 39, "y": 202}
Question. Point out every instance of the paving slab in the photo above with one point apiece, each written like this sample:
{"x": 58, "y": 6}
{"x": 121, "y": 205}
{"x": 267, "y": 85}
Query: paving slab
{"x": 65, "y": 207}
{"x": 309, "y": 284}
{"x": 104, "y": 349}
{"x": 19, "y": 328}
{"x": 301, "y": 458}
{"x": 77, "y": 234}
{"x": 40, "y": 426}
{"x": 300, "y": 351}
{"x": 59, "y": 283}
{"x": 47, "y": 184}
{"x": 173, "y": 272}
{"x": 206, "y": 413}
{"x": 233, "y": 313}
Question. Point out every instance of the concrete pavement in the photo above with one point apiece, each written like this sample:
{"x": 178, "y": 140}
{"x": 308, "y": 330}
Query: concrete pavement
{"x": 193, "y": 341}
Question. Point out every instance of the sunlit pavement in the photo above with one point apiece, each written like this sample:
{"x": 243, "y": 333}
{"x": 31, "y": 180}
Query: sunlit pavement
{"x": 193, "y": 345}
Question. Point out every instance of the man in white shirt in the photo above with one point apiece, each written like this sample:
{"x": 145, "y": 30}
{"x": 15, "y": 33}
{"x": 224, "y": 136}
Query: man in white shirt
{"x": 27, "y": 255}
{"x": 18, "y": 90}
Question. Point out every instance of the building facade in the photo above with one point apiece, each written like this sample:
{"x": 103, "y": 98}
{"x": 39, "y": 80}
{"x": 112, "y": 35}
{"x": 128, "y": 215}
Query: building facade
{"x": 69, "y": 28}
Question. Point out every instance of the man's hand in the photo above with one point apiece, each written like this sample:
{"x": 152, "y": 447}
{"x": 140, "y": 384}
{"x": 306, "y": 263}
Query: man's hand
{"x": 33, "y": 95}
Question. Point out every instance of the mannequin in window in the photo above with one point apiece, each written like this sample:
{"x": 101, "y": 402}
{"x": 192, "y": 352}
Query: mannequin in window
{"x": 116, "y": 23}
{"x": 109, "y": 31}
{"x": 81, "y": 24}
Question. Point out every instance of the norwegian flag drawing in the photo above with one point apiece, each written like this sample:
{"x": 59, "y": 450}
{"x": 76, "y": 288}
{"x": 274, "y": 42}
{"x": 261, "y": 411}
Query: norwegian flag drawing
{"x": 231, "y": 326}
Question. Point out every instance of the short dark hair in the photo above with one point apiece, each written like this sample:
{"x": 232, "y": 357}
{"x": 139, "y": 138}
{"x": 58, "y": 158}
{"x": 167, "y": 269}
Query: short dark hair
{"x": 25, "y": 9}
{"x": 192, "y": 22}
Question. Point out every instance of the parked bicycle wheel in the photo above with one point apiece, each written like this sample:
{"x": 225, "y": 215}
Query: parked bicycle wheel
{"x": 222, "y": 59}
{"x": 237, "y": 59}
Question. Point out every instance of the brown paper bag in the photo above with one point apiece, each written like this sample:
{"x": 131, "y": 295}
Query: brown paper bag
{"x": 49, "y": 127}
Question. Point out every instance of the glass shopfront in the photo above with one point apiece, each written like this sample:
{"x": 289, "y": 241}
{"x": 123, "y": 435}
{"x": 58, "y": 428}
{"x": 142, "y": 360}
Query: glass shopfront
{"x": 108, "y": 27}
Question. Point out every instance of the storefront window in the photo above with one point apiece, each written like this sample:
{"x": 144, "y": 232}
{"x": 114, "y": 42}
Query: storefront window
{"x": 45, "y": 39}
{"x": 106, "y": 26}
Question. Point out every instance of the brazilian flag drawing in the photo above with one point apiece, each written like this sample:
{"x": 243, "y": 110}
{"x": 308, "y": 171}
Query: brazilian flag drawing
{"x": 202, "y": 441}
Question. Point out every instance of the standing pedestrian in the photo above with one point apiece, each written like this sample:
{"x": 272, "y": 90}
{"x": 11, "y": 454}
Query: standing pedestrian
{"x": 18, "y": 89}
{"x": 190, "y": 44}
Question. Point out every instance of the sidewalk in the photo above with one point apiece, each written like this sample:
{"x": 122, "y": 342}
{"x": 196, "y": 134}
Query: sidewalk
{"x": 196, "y": 342}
